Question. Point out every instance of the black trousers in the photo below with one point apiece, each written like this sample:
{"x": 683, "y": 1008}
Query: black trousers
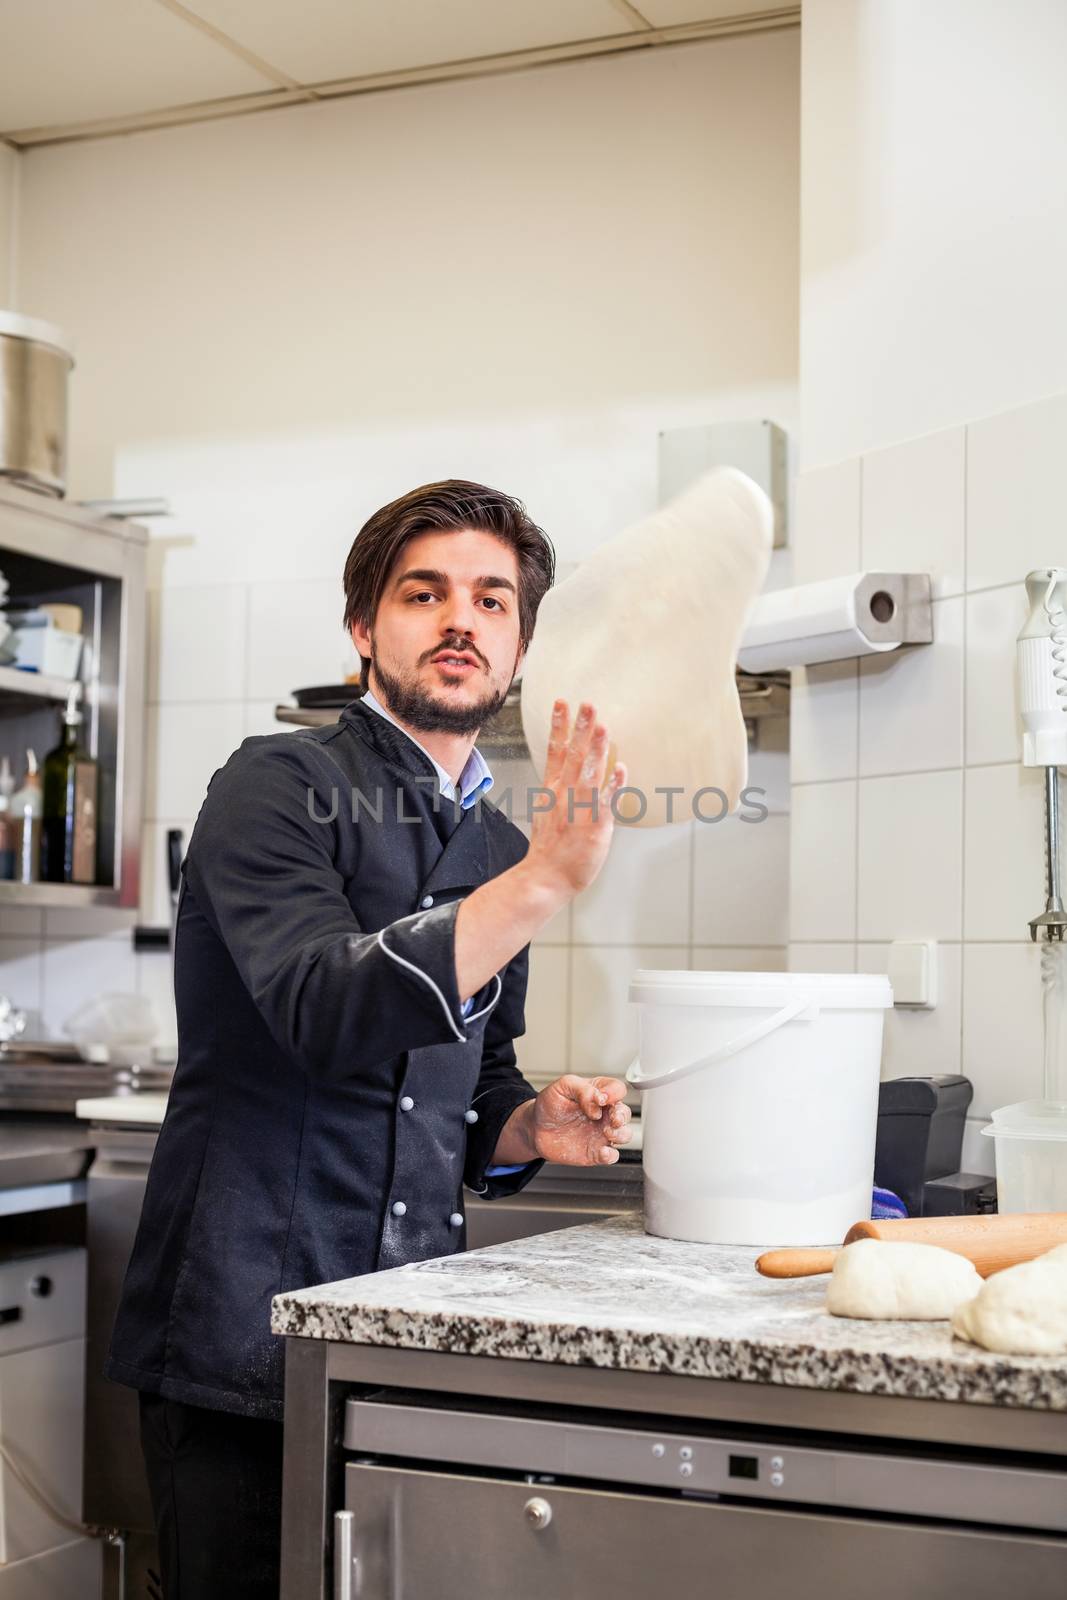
{"x": 216, "y": 1486}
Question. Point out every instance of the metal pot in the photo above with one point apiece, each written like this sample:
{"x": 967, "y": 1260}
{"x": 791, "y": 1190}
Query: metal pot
{"x": 35, "y": 362}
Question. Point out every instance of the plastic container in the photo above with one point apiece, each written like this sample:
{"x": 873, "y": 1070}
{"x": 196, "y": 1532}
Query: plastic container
{"x": 760, "y": 1103}
{"x": 47, "y": 650}
{"x": 114, "y": 1027}
{"x": 1030, "y": 1139}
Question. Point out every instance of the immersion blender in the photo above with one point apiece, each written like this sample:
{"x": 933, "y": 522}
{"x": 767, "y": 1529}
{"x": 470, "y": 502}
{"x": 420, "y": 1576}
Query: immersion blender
{"x": 1042, "y": 657}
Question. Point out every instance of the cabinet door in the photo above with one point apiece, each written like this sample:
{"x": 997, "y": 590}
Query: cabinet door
{"x": 70, "y": 1573}
{"x": 42, "y": 1396}
{"x": 437, "y": 1536}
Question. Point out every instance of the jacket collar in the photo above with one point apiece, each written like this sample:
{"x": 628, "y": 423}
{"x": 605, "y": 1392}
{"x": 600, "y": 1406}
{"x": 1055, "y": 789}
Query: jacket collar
{"x": 473, "y": 780}
{"x": 389, "y": 741}
{"x": 464, "y": 859}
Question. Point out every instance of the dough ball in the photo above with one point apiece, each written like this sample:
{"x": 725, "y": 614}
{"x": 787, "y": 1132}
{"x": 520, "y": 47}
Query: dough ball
{"x": 878, "y": 1279}
{"x": 648, "y": 630}
{"x": 1021, "y": 1311}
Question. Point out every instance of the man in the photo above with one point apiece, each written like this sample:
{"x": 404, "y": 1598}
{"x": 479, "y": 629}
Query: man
{"x": 350, "y": 974}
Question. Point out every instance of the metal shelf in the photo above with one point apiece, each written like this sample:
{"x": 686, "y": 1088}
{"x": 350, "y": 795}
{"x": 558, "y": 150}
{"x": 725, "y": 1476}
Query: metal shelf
{"x": 20, "y": 689}
{"x": 501, "y": 738}
{"x": 763, "y": 696}
{"x": 306, "y": 719}
{"x": 61, "y": 896}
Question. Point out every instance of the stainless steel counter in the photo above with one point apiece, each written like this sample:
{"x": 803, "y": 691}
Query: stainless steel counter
{"x": 35, "y": 1151}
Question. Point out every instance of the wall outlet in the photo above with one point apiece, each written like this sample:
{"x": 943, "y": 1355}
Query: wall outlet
{"x": 913, "y": 972}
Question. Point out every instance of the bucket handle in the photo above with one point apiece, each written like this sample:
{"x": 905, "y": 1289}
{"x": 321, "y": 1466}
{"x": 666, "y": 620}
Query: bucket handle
{"x": 801, "y": 1008}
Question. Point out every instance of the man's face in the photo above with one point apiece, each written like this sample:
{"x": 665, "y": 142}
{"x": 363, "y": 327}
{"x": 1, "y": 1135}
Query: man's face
{"x": 448, "y": 594}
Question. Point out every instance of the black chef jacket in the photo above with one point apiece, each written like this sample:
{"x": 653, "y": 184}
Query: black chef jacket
{"x": 330, "y": 1099}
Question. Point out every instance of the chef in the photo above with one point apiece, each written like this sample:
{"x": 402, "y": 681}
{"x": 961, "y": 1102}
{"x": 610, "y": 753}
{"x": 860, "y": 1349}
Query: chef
{"x": 350, "y": 974}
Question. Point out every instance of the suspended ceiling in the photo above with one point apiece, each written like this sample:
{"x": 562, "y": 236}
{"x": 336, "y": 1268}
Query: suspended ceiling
{"x": 76, "y": 69}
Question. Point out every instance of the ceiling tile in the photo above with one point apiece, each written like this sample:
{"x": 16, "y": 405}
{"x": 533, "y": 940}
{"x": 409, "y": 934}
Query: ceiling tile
{"x": 320, "y": 40}
{"x": 63, "y": 62}
{"x": 667, "y": 13}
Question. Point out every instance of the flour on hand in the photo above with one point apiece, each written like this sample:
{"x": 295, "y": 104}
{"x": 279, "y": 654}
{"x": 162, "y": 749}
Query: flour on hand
{"x": 876, "y": 1278}
{"x": 1021, "y": 1311}
{"x": 648, "y": 630}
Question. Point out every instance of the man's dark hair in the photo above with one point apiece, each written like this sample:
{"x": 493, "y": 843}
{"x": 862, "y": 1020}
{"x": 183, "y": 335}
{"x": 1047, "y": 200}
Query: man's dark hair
{"x": 436, "y": 508}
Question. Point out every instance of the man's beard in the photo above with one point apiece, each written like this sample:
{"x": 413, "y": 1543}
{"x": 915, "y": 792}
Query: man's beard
{"x": 410, "y": 702}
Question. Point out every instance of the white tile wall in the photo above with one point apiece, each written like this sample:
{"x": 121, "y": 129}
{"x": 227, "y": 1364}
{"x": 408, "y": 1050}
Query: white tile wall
{"x": 184, "y": 747}
{"x": 295, "y": 637}
{"x": 1015, "y": 492}
{"x": 22, "y": 978}
{"x": 822, "y": 862}
{"x": 910, "y": 859}
{"x": 738, "y": 958}
{"x": 993, "y": 731}
{"x": 1002, "y": 1031}
{"x": 76, "y": 971}
{"x": 911, "y": 706}
{"x": 917, "y": 1042}
{"x": 155, "y": 980}
{"x": 812, "y": 957}
{"x": 828, "y": 522}
{"x": 1004, "y": 883}
{"x": 642, "y": 894}
{"x": 603, "y": 1023}
{"x": 947, "y": 840}
{"x": 913, "y": 509}
{"x": 824, "y": 722}
{"x": 543, "y": 1051}
{"x": 196, "y": 643}
{"x": 740, "y": 882}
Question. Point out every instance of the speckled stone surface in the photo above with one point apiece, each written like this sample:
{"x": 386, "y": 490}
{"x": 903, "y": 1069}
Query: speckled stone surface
{"x": 610, "y": 1295}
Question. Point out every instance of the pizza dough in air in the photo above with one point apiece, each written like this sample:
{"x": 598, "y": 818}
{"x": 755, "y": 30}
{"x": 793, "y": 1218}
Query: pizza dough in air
{"x": 919, "y": 1282}
{"x": 1020, "y": 1311}
{"x": 648, "y": 630}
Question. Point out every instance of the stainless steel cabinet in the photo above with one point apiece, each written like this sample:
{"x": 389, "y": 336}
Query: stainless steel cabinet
{"x": 50, "y": 551}
{"x": 434, "y": 1536}
{"x": 42, "y": 1389}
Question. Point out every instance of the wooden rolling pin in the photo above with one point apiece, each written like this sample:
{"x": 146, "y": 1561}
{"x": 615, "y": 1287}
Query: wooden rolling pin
{"x": 990, "y": 1242}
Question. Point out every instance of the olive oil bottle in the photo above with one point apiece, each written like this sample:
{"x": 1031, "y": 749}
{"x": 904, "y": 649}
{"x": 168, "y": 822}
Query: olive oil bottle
{"x": 71, "y": 791}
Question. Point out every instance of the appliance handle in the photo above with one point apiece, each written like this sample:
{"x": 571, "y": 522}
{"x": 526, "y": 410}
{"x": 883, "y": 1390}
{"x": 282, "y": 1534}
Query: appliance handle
{"x": 345, "y": 1564}
{"x": 800, "y": 1009}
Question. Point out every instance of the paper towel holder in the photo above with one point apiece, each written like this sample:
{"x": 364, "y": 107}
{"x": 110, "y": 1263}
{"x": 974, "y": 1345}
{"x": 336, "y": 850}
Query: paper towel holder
{"x": 837, "y": 619}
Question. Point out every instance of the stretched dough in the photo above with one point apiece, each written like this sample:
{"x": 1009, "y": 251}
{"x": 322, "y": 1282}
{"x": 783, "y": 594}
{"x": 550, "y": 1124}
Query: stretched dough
{"x": 882, "y": 1279}
{"x": 648, "y": 630}
{"x": 1020, "y": 1311}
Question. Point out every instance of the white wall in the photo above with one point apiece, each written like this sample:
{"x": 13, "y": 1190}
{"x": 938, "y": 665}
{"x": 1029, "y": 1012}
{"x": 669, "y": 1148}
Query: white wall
{"x": 9, "y": 160}
{"x": 934, "y": 234}
{"x": 572, "y": 239}
{"x": 283, "y": 321}
{"x": 932, "y": 309}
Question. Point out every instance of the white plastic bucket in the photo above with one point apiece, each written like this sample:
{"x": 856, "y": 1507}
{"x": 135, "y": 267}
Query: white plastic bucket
{"x": 760, "y": 1103}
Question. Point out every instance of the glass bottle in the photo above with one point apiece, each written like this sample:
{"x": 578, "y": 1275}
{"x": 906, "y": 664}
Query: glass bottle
{"x": 8, "y": 824}
{"x": 26, "y": 811}
{"x": 71, "y": 785}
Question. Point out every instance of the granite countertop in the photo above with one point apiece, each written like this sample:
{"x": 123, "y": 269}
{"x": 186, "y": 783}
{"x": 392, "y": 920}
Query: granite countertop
{"x": 609, "y": 1295}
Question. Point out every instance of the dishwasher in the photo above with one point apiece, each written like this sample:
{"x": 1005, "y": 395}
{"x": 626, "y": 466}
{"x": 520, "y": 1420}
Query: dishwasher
{"x": 441, "y": 1499}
